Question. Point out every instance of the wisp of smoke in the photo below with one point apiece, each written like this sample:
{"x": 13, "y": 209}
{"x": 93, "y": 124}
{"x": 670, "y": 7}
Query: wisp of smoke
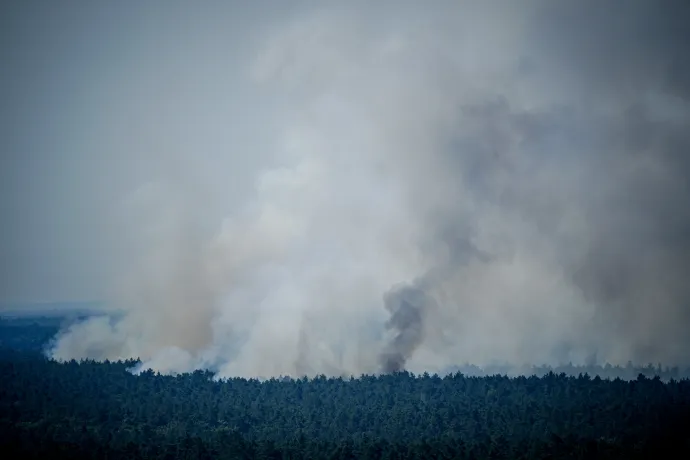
{"x": 521, "y": 168}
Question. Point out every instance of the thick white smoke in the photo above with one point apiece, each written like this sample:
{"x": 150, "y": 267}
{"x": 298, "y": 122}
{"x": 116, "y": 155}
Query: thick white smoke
{"x": 446, "y": 145}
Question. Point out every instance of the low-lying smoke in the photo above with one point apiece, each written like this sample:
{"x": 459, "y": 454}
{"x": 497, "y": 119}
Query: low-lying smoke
{"x": 512, "y": 176}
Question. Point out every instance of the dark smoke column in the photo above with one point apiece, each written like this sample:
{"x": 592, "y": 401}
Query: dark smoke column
{"x": 407, "y": 305}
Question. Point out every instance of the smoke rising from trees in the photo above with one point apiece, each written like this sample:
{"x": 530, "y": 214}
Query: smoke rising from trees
{"x": 407, "y": 305}
{"x": 456, "y": 182}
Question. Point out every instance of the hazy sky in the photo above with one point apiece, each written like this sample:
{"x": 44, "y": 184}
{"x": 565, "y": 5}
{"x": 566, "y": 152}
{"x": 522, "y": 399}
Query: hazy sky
{"x": 99, "y": 99}
{"x": 248, "y": 184}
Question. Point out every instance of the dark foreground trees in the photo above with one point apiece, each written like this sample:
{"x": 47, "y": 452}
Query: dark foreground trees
{"x": 100, "y": 410}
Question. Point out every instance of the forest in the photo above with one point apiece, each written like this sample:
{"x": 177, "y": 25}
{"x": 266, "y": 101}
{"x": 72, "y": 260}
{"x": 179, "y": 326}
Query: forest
{"x": 92, "y": 409}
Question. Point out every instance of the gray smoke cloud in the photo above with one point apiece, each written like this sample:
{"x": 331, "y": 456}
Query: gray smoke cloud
{"x": 407, "y": 306}
{"x": 410, "y": 304}
{"x": 512, "y": 175}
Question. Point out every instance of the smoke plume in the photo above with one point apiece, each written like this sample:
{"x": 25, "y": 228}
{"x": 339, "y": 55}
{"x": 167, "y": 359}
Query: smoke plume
{"x": 512, "y": 175}
{"x": 407, "y": 305}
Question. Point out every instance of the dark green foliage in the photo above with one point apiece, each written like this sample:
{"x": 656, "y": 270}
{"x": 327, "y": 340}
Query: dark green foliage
{"x": 92, "y": 410}
{"x": 100, "y": 410}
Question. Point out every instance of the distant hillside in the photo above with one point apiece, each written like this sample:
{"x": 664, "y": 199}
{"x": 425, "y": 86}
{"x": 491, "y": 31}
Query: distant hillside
{"x": 51, "y": 309}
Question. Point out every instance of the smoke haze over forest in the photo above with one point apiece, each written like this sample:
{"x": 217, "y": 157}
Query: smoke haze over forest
{"x": 345, "y": 188}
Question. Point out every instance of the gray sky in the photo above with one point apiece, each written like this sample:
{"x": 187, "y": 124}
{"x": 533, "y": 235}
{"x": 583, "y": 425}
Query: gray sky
{"x": 98, "y": 99}
{"x": 248, "y": 184}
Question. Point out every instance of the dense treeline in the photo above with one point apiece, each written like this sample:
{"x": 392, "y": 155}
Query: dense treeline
{"x": 101, "y": 409}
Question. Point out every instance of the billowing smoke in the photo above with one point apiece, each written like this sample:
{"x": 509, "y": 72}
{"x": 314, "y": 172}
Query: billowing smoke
{"x": 512, "y": 175}
{"x": 407, "y": 306}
